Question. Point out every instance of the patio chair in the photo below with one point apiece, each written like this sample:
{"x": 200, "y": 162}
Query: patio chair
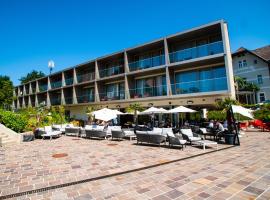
{"x": 49, "y": 132}
{"x": 173, "y": 140}
{"x": 189, "y": 136}
{"x": 72, "y": 131}
{"x": 95, "y": 134}
{"x": 119, "y": 134}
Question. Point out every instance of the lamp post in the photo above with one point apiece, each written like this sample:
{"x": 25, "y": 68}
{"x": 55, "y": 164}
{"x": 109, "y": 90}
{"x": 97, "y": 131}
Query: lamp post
{"x": 51, "y": 65}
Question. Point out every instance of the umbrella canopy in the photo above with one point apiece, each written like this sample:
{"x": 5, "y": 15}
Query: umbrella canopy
{"x": 106, "y": 114}
{"x": 131, "y": 113}
{"x": 153, "y": 110}
{"x": 243, "y": 111}
{"x": 181, "y": 109}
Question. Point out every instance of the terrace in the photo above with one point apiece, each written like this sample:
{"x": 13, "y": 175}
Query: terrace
{"x": 85, "y": 93}
{"x": 86, "y": 73}
{"x": 111, "y": 66}
{"x": 135, "y": 171}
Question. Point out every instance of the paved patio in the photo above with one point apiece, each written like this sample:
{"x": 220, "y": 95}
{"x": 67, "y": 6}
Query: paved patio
{"x": 233, "y": 173}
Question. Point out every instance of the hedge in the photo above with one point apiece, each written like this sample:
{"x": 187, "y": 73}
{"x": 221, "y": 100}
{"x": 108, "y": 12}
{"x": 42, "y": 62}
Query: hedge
{"x": 16, "y": 122}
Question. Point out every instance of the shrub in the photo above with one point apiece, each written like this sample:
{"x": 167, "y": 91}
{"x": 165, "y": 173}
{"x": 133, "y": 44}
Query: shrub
{"x": 264, "y": 113}
{"x": 14, "y": 121}
{"x": 216, "y": 115}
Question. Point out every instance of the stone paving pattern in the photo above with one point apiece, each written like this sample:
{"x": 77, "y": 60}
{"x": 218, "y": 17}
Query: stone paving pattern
{"x": 236, "y": 173}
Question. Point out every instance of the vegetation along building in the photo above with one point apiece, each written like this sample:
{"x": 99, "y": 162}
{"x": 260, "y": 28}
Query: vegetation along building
{"x": 192, "y": 67}
{"x": 253, "y": 66}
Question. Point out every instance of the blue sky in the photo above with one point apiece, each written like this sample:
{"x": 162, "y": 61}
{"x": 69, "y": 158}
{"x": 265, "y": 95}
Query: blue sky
{"x": 73, "y": 31}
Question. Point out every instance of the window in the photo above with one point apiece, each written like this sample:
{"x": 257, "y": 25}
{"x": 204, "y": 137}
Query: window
{"x": 260, "y": 79}
{"x": 255, "y": 61}
{"x": 262, "y": 97}
{"x": 244, "y": 63}
{"x": 240, "y": 64}
{"x": 205, "y": 80}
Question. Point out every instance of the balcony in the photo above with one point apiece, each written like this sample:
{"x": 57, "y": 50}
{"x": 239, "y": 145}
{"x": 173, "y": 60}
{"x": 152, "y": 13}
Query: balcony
{"x": 86, "y": 98}
{"x": 147, "y": 63}
{"x": 56, "y": 84}
{"x": 43, "y": 88}
{"x": 68, "y": 100}
{"x": 145, "y": 92}
{"x": 196, "y": 52}
{"x": 111, "y": 96}
{"x": 111, "y": 71}
{"x": 69, "y": 81}
{"x": 85, "y": 77}
{"x": 56, "y": 101}
{"x": 206, "y": 85}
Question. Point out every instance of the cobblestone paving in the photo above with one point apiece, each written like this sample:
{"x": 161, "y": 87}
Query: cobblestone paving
{"x": 236, "y": 173}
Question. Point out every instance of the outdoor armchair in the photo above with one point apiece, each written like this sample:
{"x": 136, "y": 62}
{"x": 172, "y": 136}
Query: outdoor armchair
{"x": 119, "y": 134}
{"x": 189, "y": 136}
{"x": 95, "y": 134}
{"x": 72, "y": 131}
{"x": 173, "y": 140}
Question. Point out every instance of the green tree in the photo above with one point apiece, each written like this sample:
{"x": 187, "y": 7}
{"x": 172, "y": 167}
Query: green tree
{"x": 31, "y": 76}
{"x": 226, "y": 103}
{"x": 89, "y": 111}
{"x": 243, "y": 85}
{"x": 133, "y": 108}
{"x": 6, "y": 91}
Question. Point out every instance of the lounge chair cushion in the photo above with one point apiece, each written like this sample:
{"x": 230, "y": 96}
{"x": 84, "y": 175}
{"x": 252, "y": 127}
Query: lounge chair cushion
{"x": 48, "y": 128}
{"x": 157, "y": 130}
{"x": 141, "y": 132}
{"x": 166, "y": 130}
{"x": 170, "y": 134}
{"x": 187, "y": 132}
{"x": 194, "y": 139}
{"x": 203, "y": 130}
{"x": 88, "y": 127}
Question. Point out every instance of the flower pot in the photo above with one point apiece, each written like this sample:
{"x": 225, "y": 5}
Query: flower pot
{"x": 229, "y": 138}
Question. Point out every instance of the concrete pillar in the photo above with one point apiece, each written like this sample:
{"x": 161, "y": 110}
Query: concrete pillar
{"x": 48, "y": 100}
{"x": 49, "y": 84}
{"x": 24, "y": 90}
{"x": 23, "y": 102}
{"x": 167, "y": 62}
{"x": 126, "y": 66}
{"x": 74, "y": 96}
{"x": 36, "y": 100}
{"x": 29, "y": 101}
{"x": 97, "y": 99}
{"x": 30, "y": 88}
{"x": 96, "y": 70}
{"x": 75, "y": 81}
{"x": 37, "y": 87}
{"x": 228, "y": 59}
{"x": 18, "y": 103}
{"x": 127, "y": 92}
{"x": 63, "y": 80}
{"x": 63, "y": 101}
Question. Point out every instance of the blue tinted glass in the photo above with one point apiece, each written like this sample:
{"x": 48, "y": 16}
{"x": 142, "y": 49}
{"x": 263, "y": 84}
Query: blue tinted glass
{"x": 219, "y": 72}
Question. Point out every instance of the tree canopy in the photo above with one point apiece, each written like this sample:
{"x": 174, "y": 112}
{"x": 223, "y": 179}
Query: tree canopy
{"x": 31, "y": 76}
{"x": 6, "y": 91}
{"x": 243, "y": 85}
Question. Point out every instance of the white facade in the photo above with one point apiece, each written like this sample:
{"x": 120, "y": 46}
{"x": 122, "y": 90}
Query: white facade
{"x": 253, "y": 69}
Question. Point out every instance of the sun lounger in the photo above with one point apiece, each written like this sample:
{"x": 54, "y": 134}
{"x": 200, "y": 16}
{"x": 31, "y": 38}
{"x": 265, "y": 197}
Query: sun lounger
{"x": 173, "y": 140}
{"x": 189, "y": 136}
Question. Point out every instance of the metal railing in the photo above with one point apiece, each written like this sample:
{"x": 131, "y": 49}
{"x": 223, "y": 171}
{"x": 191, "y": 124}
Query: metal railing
{"x": 206, "y": 85}
{"x": 110, "y": 96}
{"x": 43, "y": 88}
{"x": 69, "y": 81}
{"x": 85, "y": 77}
{"x": 111, "y": 71}
{"x": 56, "y": 84}
{"x": 145, "y": 92}
{"x": 196, "y": 52}
{"x": 86, "y": 98}
{"x": 147, "y": 63}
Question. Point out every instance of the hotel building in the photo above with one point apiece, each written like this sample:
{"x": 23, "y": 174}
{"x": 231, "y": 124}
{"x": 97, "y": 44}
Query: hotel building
{"x": 192, "y": 67}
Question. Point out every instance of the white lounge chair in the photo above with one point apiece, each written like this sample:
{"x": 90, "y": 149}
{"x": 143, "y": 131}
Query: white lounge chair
{"x": 49, "y": 132}
{"x": 189, "y": 135}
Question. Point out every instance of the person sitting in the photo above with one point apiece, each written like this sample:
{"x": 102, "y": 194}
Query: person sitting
{"x": 211, "y": 124}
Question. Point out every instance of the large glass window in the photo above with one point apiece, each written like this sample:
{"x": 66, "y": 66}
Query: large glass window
{"x": 154, "y": 86}
{"x": 115, "y": 91}
{"x": 205, "y": 80}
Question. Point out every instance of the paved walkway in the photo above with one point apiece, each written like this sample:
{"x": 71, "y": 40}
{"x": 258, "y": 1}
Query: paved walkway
{"x": 235, "y": 173}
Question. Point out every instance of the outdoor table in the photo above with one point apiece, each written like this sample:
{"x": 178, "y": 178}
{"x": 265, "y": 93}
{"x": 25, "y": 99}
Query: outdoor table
{"x": 205, "y": 143}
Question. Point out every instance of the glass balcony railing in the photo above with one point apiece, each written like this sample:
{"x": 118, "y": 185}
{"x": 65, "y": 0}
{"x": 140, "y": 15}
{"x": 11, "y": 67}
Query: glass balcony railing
{"x": 68, "y": 100}
{"x": 69, "y": 81}
{"x": 56, "y": 84}
{"x": 111, "y": 71}
{"x": 56, "y": 101}
{"x": 43, "y": 88}
{"x": 207, "y": 85}
{"x": 110, "y": 96}
{"x": 86, "y": 98}
{"x": 145, "y": 92}
{"x": 147, "y": 63}
{"x": 196, "y": 52}
{"x": 85, "y": 77}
